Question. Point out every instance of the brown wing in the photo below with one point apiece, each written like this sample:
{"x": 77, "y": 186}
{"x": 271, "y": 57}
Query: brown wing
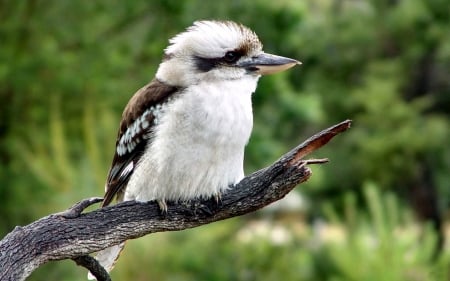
{"x": 134, "y": 134}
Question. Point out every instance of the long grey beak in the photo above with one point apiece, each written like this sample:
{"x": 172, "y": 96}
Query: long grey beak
{"x": 268, "y": 64}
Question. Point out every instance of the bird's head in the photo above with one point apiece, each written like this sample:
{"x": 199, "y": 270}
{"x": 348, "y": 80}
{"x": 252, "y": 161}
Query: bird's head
{"x": 217, "y": 50}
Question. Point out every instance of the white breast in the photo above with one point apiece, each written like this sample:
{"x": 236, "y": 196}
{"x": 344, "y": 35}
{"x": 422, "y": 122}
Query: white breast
{"x": 198, "y": 146}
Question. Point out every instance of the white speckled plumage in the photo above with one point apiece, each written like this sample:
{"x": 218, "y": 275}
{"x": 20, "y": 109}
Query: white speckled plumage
{"x": 198, "y": 146}
{"x": 183, "y": 135}
{"x": 127, "y": 142}
{"x": 207, "y": 39}
{"x": 197, "y": 149}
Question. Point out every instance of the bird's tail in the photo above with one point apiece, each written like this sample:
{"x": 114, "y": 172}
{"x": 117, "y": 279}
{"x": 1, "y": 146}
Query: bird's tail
{"x": 108, "y": 257}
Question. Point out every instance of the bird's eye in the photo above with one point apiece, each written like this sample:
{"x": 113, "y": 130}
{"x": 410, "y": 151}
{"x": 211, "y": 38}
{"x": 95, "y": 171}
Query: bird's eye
{"x": 231, "y": 57}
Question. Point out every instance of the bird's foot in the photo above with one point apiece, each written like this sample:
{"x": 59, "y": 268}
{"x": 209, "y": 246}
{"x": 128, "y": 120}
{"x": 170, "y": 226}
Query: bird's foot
{"x": 162, "y": 206}
{"x": 218, "y": 197}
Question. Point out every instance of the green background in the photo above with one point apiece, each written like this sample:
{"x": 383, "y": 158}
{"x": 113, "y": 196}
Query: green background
{"x": 377, "y": 211}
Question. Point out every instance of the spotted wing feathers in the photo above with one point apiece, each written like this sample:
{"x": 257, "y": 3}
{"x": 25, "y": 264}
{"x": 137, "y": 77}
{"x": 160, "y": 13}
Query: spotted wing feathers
{"x": 137, "y": 125}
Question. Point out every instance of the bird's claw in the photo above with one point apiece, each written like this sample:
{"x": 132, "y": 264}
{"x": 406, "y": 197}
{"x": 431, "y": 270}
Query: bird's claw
{"x": 162, "y": 206}
{"x": 218, "y": 197}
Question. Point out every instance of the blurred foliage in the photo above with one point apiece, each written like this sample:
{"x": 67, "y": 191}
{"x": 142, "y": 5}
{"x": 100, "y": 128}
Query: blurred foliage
{"x": 389, "y": 241}
{"x": 380, "y": 244}
{"x": 67, "y": 68}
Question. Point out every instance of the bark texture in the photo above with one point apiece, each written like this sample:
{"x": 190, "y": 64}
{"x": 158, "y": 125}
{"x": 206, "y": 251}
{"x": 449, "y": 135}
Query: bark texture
{"x": 73, "y": 235}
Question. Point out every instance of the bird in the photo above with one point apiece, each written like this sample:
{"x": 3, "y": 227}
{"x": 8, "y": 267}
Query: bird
{"x": 182, "y": 136}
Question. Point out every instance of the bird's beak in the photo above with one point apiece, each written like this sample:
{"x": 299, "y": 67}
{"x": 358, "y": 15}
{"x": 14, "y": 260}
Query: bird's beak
{"x": 268, "y": 64}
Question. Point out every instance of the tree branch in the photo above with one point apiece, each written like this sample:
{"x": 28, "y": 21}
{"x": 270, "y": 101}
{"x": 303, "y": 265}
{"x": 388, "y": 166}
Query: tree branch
{"x": 72, "y": 234}
{"x": 93, "y": 266}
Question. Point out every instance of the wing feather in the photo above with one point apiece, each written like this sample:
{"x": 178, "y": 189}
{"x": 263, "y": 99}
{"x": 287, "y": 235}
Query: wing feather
{"x": 138, "y": 120}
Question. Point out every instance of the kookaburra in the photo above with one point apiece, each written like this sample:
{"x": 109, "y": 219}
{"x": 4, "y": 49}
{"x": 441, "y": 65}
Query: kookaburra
{"x": 182, "y": 136}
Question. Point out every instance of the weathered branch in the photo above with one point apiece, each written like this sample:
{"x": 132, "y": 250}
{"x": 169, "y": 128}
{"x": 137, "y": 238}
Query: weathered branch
{"x": 93, "y": 266}
{"x": 72, "y": 234}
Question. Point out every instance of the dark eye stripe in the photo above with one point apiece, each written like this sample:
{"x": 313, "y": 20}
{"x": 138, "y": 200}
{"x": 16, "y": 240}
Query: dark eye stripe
{"x": 206, "y": 64}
